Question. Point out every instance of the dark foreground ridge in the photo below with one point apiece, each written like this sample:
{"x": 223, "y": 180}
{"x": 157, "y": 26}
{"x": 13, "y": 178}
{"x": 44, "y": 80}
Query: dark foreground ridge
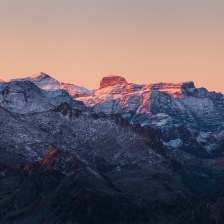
{"x": 61, "y": 189}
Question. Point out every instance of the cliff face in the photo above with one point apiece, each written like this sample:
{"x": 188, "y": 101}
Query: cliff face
{"x": 112, "y": 81}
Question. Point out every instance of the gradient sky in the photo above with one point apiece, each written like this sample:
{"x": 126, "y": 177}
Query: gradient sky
{"x": 145, "y": 41}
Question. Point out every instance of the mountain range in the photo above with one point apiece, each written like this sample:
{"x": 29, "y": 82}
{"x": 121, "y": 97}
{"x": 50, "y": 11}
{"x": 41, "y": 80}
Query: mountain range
{"x": 124, "y": 153}
{"x": 167, "y": 107}
{"x": 162, "y": 104}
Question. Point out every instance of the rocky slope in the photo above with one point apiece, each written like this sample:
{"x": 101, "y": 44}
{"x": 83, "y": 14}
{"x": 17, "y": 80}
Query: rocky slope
{"x": 203, "y": 210}
{"x": 60, "y": 189}
{"x": 198, "y": 143}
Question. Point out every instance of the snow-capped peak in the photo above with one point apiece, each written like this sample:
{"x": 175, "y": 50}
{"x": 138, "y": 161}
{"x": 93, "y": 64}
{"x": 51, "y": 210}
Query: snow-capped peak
{"x": 43, "y": 81}
{"x": 40, "y": 76}
{"x": 46, "y": 82}
{"x": 40, "y": 79}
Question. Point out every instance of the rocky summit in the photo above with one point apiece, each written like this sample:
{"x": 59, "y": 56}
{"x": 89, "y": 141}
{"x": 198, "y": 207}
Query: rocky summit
{"x": 123, "y": 153}
{"x": 112, "y": 80}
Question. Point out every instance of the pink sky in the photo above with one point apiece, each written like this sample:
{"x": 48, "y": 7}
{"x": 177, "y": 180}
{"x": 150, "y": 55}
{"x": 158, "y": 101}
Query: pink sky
{"x": 145, "y": 41}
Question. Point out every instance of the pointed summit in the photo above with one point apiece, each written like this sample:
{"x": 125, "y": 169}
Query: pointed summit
{"x": 40, "y": 76}
{"x": 44, "y": 81}
{"x": 112, "y": 80}
{"x": 1, "y": 80}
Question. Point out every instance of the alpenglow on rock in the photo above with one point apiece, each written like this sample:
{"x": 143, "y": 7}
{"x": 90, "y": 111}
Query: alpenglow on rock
{"x": 160, "y": 105}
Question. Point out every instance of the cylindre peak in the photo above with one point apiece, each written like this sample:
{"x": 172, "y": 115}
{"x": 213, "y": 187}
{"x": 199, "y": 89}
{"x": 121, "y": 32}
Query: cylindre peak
{"x": 112, "y": 80}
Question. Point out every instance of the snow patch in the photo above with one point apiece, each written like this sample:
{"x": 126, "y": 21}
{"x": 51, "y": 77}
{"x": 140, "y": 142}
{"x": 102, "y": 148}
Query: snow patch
{"x": 202, "y": 137}
{"x": 174, "y": 143}
{"x": 210, "y": 147}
